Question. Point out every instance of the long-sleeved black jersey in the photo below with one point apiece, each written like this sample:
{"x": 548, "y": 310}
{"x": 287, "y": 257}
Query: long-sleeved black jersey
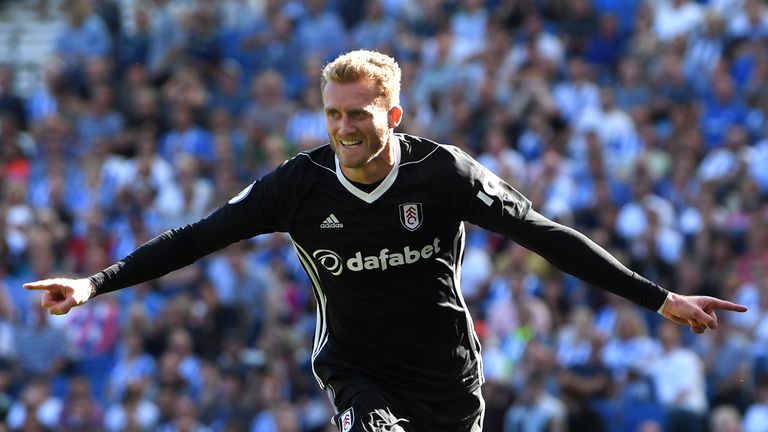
{"x": 385, "y": 265}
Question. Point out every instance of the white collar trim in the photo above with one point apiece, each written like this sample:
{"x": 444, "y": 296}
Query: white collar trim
{"x": 375, "y": 194}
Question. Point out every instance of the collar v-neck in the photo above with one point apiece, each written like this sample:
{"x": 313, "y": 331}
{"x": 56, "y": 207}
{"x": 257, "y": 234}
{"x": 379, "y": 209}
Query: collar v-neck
{"x": 372, "y": 196}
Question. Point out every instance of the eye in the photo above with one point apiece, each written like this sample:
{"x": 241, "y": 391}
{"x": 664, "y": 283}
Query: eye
{"x": 359, "y": 115}
{"x": 332, "y": 114}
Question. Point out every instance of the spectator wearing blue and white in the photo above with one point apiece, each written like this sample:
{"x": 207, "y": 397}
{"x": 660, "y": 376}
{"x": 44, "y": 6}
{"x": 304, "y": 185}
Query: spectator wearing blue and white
{"x": 703, "y": 51}
{"x": 179, "y": 345}
{"x": 630, "y": 346}
{"x": 134, "y": 367}
{"x": 728, "y": 365}
{"x": 679, "y": 380}
{"x": 227, "y": 90}
{"x": 7, "y": 318}
{"x": 620, "y": 143}
{"x": 577, "y": 341}
{"x": 236, "y": 15}
{"x": 136, "y": 408}
{"x": 84, "y": 36}
{"x": 283, "y": 52}
{"x": 632, "y": 219}
{"x": 605, "y": 47}
{"x": 502, "y": 159}
{"x": 167, "y": 38}
{"x": 525, "y": 92}
{"x": 269, "y": 109}
{"x": 537, "y": 409}
{"x": 671, "y": 87}
{"x": 440, "y": 71}
{"x": 306, "y": 127}
{"x": 188, "y": 197}
{"x": 555, "y": 187}
{"x": 725, "y": 163}
{"x": 469, "y": 27}
{"x": 36, "y": 406}
{"x": 757, "y": 158}
{"x": 673, "y": 18}
{"x": 576, "y": 22}
{"x": 625, "y": 10}
{"x": 186, "y": 137}
{"x": 243, "y": 40}
{"x": 631, "y": 89}
{"x": 100, "y": 119}
{"x": 376, "y": 30}
{"x": 185, "y": 89}
{"x": 750, "y": 21}
{"x": 534, "y": 42}
{"x": 756, "y": 415}
{"x": 320, "y": 19}
{"x": 756, "y": 324}
{"x": 46, "y": 99}
{"x": 202, "y": 47}
{"x": 132, "y": 45}
{"x": 577, "y": 93}
{"x": 721, "y": 111}
{"x": 80, "y": 409}
{"x": 38, "y": 346}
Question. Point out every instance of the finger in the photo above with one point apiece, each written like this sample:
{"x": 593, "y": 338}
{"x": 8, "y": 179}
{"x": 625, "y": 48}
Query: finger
{"x": 704, "y": 319}
{"x": 726, "y": 305}
{"x": 705, "y": 316}
{"x": 62, "y": 307}
{"x": 698, "y": 329}
{"x": 39, "y": 285}
{"x": 45, "y": 284}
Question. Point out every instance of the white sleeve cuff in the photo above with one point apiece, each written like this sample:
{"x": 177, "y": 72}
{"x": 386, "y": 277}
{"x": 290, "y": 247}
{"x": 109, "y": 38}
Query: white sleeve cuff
{"x": 661, "y": 308}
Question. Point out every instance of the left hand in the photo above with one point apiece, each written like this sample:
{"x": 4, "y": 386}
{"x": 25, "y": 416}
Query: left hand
{"x": 697, "y": 312}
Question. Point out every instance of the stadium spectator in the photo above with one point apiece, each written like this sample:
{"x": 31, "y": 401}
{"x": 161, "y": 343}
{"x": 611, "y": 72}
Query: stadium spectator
{"x": 679, "y": 381}
{"x": 84, "y": 37}
{"x": 756, "y": 415}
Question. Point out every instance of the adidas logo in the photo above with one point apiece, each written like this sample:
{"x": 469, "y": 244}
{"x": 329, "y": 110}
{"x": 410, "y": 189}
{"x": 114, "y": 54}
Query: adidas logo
{"x": 331, "y": 222}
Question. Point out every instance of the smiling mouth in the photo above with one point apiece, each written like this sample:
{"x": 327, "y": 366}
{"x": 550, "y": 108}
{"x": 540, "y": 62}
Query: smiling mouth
{"x": 350, "y": 143}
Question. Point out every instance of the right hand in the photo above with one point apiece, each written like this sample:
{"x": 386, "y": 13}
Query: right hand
{"x": 62, "y": 294}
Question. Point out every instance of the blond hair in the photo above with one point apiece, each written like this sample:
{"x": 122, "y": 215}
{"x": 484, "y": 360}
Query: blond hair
{"x": 362, "y": 65}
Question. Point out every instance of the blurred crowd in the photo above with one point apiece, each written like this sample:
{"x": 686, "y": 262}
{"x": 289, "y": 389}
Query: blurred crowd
{"x": 641, "y": 123}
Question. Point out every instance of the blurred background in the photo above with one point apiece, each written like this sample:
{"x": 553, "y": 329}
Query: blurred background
{"x": 640, "y": 122}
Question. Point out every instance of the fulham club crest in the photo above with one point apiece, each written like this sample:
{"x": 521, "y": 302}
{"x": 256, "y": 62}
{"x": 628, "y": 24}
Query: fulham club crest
{"x": 411, "y": 215}
{"x": 347, "y": 420}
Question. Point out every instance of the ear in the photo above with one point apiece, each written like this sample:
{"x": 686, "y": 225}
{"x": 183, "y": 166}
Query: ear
{"x": 394, "y": 116}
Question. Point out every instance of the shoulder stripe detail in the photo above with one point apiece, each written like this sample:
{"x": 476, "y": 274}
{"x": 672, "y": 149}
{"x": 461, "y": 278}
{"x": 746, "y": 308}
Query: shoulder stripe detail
{"x": 316, "y": 163}
{"x": 422, "y": 159}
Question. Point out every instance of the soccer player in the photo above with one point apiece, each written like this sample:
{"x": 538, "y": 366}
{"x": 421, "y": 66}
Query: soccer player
{"x": 376, "y": 218}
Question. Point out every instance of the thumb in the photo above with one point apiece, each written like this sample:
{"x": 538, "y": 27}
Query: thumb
{"x": 63, "y": 306}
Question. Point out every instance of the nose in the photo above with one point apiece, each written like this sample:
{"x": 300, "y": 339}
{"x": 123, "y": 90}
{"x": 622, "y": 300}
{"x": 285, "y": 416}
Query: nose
{"x": 345, "y": 126}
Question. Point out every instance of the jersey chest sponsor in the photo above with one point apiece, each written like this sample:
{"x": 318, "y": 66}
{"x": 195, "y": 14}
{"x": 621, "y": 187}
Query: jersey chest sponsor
{"x": 383, "y": 260}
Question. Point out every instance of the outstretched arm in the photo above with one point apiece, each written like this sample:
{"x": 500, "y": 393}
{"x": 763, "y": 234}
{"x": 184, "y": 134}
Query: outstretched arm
{"x": 574, "y": 253}
{"x": 163, "y": 254}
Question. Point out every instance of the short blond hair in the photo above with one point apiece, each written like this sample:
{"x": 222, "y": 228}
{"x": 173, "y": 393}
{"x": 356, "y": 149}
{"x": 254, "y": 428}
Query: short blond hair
{"x": 362, "y": 65}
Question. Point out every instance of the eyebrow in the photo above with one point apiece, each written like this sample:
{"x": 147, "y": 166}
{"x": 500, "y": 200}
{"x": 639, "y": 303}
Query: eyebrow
{"x": 350, "y": 111}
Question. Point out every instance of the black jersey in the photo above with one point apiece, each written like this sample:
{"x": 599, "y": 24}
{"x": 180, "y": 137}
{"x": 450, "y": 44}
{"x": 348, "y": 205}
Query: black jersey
{"x": 385, "y": 265}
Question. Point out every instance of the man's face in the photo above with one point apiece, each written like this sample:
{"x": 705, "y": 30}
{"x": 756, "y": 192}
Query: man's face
{"x": 358, "y": 123}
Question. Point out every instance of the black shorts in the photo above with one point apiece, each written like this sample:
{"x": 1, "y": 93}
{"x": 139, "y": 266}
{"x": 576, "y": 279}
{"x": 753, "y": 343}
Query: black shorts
{"x": 366, "y": 407}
